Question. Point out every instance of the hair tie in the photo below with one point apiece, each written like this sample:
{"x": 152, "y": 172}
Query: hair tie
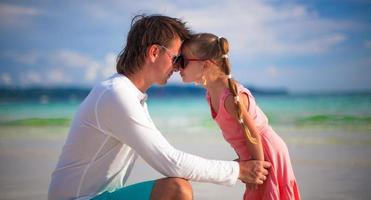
{"x": 224, "y": 56}
{"x": 229, "y": 76}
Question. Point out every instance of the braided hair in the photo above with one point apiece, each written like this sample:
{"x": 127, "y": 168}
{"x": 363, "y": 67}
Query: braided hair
{"x": 226, "y": 68}
{"x": 209, "y": 46}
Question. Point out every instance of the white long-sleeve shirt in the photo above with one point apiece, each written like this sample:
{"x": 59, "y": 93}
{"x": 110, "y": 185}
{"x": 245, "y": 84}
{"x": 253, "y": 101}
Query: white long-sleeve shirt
{"x": 110, "y": 129}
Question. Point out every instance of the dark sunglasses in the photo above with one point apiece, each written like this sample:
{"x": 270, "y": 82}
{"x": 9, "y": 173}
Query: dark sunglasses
{"x": 183, "y": 61}
{"x": 174, "y": 57}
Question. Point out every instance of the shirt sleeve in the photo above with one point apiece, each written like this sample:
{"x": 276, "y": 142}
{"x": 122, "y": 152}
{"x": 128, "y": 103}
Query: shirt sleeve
{"x": 122, "y": 116}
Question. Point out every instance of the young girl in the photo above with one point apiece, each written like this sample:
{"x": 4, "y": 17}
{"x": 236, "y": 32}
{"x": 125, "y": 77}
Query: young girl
{"x": 205, "y": 61}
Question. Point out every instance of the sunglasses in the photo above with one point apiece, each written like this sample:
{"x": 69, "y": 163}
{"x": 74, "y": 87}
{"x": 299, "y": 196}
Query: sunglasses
{"x": 174, "y": 57}
{"x": 183, "y": 61}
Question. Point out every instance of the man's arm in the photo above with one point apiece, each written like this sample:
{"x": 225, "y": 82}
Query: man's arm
{"x": 123, "y": 117}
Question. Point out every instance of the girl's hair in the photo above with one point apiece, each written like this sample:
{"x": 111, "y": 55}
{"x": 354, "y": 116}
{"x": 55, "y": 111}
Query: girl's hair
{"x": 209, "y": 46}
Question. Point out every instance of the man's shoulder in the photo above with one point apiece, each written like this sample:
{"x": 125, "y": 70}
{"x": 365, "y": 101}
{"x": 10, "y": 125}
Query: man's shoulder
{"x": 114, "y": 83}
{"x": 111, "y": 88}
{"x": 115, "y": 94}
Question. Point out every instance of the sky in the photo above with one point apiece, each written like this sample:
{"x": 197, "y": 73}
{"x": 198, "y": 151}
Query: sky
{"x": 302, "y": 46}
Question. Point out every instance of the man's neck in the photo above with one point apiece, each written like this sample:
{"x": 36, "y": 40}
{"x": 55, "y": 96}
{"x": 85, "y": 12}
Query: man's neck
{"x": 140, "y": 81}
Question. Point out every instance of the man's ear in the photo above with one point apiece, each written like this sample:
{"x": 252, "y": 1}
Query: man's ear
{"x": 153, "y": 52}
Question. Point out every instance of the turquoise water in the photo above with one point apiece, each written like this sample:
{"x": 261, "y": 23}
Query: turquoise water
{"x": 193, "y": 114}
{"x": 326, "y": 109}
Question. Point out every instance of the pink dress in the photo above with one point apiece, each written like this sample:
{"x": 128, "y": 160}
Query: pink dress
{"x": 280, "y": 183}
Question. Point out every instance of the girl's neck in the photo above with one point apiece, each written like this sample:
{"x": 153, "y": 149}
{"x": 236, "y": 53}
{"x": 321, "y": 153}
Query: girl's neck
{"x": 216, "y": 86}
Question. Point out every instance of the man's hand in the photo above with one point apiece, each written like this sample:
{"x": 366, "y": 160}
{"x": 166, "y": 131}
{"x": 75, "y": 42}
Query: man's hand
{"x": 253, "y": 171}
{"x": 250, "y": 186}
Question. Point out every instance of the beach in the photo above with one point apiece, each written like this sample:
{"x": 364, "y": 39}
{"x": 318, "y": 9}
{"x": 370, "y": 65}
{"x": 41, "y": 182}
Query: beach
{"x": 327, "y": 164}
{"x": 328, "y": 136}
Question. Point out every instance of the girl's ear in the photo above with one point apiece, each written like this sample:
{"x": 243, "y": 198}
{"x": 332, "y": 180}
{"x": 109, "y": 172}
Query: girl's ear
{"x": 207, "y": 64}
{"x": 153, "y": 52}
{"x": 207, "y": 68}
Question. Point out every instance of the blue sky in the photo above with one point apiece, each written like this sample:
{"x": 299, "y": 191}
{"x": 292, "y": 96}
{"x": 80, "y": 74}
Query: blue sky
{"x": 314, "y": 45}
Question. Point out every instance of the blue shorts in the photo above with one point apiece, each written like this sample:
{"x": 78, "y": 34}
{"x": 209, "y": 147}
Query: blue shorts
{"x": 139, "y": 191}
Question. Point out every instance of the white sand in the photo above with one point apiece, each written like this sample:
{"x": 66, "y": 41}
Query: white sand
{"x": 327, "y": 164}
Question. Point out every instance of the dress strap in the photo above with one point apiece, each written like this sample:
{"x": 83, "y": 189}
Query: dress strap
{"x": 242, "y": 90}
{"x": 208, "y": 99}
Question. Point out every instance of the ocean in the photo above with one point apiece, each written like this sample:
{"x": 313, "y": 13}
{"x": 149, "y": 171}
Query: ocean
{"x": 191, "y": 112}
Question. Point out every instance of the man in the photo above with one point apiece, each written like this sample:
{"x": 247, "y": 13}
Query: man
{"x": 112, "y": 128}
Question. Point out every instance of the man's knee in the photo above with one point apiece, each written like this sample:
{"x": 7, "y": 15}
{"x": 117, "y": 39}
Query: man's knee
{"x": 172, "y": 188}
{"x": 182, "y": 187}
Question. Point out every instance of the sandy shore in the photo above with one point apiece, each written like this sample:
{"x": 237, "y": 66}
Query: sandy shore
{"x": 327, "y": 164}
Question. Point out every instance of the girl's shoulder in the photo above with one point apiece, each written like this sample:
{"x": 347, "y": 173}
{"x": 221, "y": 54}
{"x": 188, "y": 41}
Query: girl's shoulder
{"x": 243, "y": 89}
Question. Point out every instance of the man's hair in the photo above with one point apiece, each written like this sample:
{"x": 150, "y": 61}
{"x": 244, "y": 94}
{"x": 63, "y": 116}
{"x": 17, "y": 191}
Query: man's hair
{"x": 144, "y": 32}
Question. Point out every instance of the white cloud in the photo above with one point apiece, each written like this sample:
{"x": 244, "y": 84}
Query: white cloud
{"x": 92, "y": 68}
{"x": 12, "y": 14}
{"x": 311, "y": 77}
{"x": 61, "y": 63}
{"x": 110, "y": 65}
{"x": 53, "y": 77}
{"x": 75, "y": 61}
{"x": 72, "y": 59}
{"x": 30, "y": 78}
{"x": 253, "y": 27}
{"x": 91, "y": 72}
{"x": 6, "y": 79}
{"x": 256, "y": 27}
{"x": 57, "y": 76}
{"x": 314, "y": 45}
{"x": 102, "y": 69}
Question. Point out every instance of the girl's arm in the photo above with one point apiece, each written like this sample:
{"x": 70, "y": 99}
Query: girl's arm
{"x": 255, "y": 150}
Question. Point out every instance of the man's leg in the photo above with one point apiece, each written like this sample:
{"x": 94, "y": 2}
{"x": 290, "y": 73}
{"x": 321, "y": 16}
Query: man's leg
{"x": 161, "y": 189}
{"x": 138, "y": 191}
{"x": 172, "y": 188}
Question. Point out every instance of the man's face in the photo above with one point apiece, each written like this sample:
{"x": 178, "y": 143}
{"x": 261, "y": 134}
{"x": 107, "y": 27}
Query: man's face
{"x": 166, "y": 65}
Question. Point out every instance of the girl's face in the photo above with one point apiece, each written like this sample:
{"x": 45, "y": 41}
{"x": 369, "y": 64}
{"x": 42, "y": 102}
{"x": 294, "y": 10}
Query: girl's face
{"x": 193, "y": 70}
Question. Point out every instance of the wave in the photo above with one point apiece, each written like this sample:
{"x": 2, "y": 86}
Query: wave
{"x": 38, "y": 122}
{"x": 334, "y": 119}
{"x": 322, "y": 120}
